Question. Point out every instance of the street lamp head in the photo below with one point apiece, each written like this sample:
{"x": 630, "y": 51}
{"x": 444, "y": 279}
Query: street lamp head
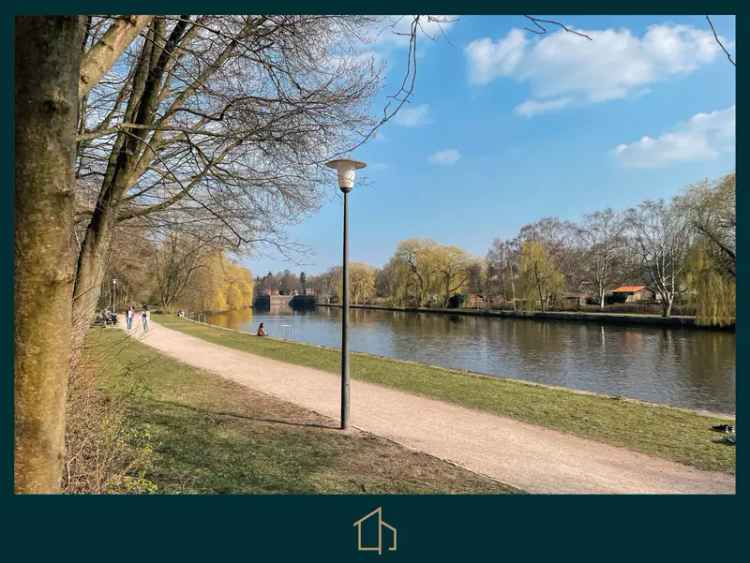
{"x": 346, "y": 170}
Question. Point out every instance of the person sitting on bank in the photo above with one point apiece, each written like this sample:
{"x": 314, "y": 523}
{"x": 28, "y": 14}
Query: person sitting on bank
{"x": 261, "y": 330}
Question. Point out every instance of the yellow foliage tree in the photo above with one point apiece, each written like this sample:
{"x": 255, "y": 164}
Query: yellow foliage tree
{"x": 712, "y": 291}
{"x": 423, "y": 272}
{"x": 361, "y": 282}
{"x": 540, "y": 280}
{"x": 219, "y": 285}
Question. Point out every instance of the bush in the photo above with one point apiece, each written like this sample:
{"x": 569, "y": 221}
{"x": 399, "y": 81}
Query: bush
{"x": 103, "y": 453}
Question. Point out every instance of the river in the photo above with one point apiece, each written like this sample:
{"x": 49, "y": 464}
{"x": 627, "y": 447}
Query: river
{"x": 681, "y": 367}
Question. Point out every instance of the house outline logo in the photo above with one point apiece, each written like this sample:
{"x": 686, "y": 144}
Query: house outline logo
{"x": 377, "y": 513}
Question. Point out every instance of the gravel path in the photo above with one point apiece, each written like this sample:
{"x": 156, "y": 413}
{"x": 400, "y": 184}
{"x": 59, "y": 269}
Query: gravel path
{"x": 532, "y": 458}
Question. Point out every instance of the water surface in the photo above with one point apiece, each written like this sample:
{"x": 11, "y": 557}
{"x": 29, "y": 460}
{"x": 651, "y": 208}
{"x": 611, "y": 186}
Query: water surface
{"x": 682, "y": 367}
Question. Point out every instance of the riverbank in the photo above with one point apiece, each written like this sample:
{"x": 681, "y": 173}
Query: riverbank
{"x": 213, "y": 436}
{"x": 574, "y": 316}
{"x": 670, "y": 433}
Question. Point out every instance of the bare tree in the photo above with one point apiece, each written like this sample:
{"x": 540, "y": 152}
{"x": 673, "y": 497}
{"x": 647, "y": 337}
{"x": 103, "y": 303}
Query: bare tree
{"x": 559, "y": 239}
{"x": 502, "y": 268}
{"x": 216, "y": 122}
{"x": 662, "y": 236}
{"x": 602, "y": 235}
{"x": 175, "y": 263}
{"x": 47, "y": 58}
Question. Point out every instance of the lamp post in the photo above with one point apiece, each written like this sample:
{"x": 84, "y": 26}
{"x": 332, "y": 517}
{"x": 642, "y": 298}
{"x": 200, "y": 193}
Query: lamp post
{"x": 114, "y": 294}
{"x": 346, "y": 170}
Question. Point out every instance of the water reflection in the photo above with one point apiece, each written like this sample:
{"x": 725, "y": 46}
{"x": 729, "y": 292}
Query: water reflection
{"x": 681, "y": 367}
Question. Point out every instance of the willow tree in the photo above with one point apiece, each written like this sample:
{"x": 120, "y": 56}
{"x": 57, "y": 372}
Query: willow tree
{"x": 453, "y": 267}
{"x": 218, "y": 285}
{"x": 47, "y": 59}
{"x": 361, "y": 282}
{"x": 412, "y": 271}
{"x": 712, "y": 213}
{"x": 711, "y": 264}
{"x": 713, "y": 293}
{"x": 539, "y": 278}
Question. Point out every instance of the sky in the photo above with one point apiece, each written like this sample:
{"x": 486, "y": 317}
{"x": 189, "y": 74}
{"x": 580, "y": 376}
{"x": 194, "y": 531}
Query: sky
{"x": 506, "y": 127}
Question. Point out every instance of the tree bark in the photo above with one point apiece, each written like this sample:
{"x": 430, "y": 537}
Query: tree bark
{"x": 47, "y": 61}
{"x": 100, "y": 58}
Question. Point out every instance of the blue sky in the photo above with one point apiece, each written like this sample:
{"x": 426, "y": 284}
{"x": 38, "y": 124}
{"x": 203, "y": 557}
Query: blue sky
{"x": 506, "y": 127}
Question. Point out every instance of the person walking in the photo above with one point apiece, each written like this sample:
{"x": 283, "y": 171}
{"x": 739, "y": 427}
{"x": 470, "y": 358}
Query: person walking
{"x": 144, "y": 318}
{"x": 129, "y": 316}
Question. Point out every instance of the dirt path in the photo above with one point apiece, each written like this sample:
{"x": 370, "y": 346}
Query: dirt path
{"x": 529, "y": 457}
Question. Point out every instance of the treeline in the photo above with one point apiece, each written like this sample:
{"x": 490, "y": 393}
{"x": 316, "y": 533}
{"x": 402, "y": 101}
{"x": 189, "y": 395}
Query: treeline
{"x": 177, "y": 271}
{"x": 683, "y": 250}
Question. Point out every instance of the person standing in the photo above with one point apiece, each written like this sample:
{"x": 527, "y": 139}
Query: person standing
{"x": 144, "y": 318}
{"x": 129, "y": 316}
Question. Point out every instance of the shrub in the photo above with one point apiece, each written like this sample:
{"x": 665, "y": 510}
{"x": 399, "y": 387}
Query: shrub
{"x": 103, "y": 453}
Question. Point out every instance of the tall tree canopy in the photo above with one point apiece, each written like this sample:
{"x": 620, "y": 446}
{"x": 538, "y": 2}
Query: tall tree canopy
{"x": 213, "y": 122}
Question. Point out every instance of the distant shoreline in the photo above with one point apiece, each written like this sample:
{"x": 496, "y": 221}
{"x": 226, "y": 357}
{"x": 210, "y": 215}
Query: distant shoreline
{"x": 574, "y": 316}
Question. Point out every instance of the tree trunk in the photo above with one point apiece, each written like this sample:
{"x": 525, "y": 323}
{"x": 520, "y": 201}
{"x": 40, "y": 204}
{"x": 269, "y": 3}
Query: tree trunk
{"x": 92, "y": 261}
{"x": 47, "y": 60}
{"x": 92, "y": 264}
{"x": 539, "y": 287}
{"x": 667, "y": 306}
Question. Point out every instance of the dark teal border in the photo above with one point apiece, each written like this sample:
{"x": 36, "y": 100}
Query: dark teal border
{"x": 318, "y": 528}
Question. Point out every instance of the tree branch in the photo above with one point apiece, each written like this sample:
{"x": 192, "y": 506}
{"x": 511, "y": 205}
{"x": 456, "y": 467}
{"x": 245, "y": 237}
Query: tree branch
{"x": 99, "y": 59}
{"x": 541, "y": 30}
{"x": 718, "y": 40}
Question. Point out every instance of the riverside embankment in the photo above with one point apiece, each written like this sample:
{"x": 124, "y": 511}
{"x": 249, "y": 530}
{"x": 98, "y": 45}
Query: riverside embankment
{"x": 574, "y": 316}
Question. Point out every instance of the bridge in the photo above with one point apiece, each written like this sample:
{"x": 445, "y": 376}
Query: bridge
{"x": 293, "y": 301}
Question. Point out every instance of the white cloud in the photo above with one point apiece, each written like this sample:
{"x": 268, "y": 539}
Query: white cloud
{"x": 413, "y": 116}
{"x": 613, "y": 65}
{"x": 446, "y": 157}
{"x": 703, "y": 137}
{"x": 530, "y": 108}
{"x": 489, "y": 60}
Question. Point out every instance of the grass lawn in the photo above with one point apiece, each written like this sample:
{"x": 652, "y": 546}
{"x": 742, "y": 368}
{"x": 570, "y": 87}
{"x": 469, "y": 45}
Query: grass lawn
{"x": 661, "y": 431}
{"x": 211, "y": 435}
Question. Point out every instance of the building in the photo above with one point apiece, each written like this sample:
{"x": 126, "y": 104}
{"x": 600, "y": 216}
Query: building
{"x": 575, "y": 299}
{"x": 475, "y": 301}
{"x": 632, "y": 294}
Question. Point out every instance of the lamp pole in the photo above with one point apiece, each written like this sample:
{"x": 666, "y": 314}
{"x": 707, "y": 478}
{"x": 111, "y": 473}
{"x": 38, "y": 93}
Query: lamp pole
{"x": 114, "y": 293}
{"x": 346, "y": 170}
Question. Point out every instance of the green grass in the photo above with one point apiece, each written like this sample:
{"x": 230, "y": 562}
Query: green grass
{"x": 661, "y": 431}
{"x": 211, "y": 435}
